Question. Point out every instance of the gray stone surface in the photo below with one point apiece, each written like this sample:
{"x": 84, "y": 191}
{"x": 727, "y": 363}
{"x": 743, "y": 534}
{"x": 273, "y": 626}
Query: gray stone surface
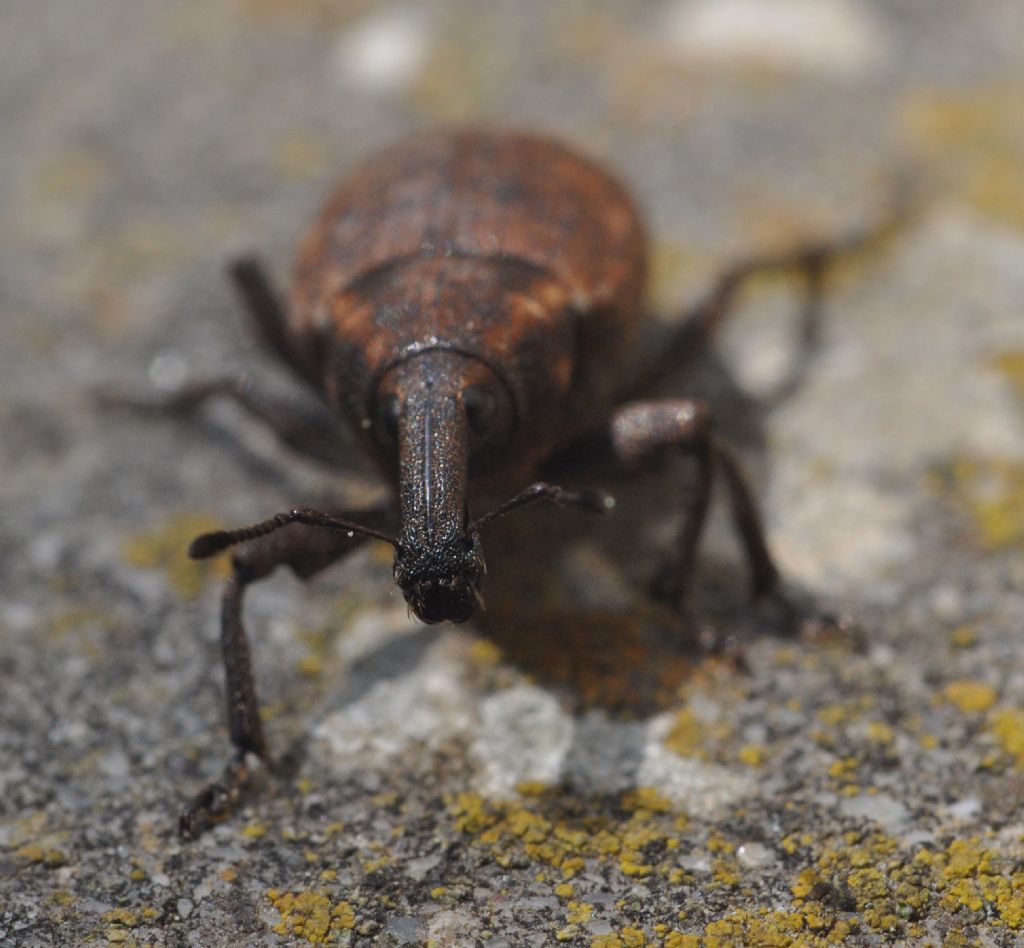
{"x": 565, "y": 769}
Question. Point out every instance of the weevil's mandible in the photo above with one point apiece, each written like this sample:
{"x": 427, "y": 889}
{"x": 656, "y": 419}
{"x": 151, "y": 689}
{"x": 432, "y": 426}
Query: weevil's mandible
{"x": 469, "y": 302}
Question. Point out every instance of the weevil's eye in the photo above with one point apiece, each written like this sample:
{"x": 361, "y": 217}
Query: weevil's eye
{"x": 388, "y": 410}
{"x": 481, "y": 409}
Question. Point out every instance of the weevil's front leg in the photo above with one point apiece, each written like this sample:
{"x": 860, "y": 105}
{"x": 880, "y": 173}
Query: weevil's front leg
{"x": 218, "y": 799}
{"x": 307, "y": 550}
{"x": 641, "y": 430}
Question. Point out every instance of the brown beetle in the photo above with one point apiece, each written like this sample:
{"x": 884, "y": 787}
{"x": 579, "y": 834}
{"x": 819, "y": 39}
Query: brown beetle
{"x": 469, "y": 302}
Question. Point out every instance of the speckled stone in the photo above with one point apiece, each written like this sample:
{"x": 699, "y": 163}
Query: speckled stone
{"x": 566, "y": 769}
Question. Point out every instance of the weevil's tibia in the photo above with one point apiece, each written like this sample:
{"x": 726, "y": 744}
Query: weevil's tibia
{"x": 638, "y": 431}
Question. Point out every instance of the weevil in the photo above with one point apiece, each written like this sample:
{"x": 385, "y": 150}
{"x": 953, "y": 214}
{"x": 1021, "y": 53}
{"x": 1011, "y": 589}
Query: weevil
{"x": 470, "y": 302}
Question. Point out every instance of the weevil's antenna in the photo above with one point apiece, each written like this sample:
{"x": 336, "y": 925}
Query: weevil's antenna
{"x": 209, "y": 544}
{"x": 594, "y": 501}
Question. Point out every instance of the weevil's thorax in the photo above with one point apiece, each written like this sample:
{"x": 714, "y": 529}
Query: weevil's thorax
{"x": 511, "y": 323}
{"x": 507, "y": 247}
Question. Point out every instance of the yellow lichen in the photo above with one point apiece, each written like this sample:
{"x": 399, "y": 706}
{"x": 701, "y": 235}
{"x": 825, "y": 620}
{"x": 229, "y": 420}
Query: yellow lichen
{"x": 343, "y": 916}
{"x": 564, "y": 833}
{"x": 686, "y": 736}
{"x": 578, "y": 912}
{"x": 309, "y": 915}
{"x": 976, "y": 131}
{"x": 310, "y": 666}
{"x": 991, "y": 489}
{"x": 372, "y": 865}
{"x": 166, "y": 548}
{"x": 1011, "y": 366}
{"x": 607, "y": 941}
{"x": 880, "y": 733}
{"x": 753, "y": 755}
{"x": 726, "y": 872}
{"x": 975, "y": 878}
{"x": 844, "y": 768}
{"x": 645, "y": 798}
{"x": 123, "y": 917}
{"x": 971, "y": 697}
{"x": 1007, "y": 727}
{"x": 890, "y": 887}
{"x": 485, "y": 653}
{"x": 35, "y": 852}
{"x": 773, "y": 929}
{"x": 963, "y": 636}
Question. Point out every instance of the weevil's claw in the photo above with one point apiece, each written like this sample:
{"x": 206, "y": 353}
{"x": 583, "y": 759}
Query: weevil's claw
{"x": 790, "y": 617}
{"x": 839, "y": 629}
{"x": 714, "y": 644}
{"x": 216, "y": 801}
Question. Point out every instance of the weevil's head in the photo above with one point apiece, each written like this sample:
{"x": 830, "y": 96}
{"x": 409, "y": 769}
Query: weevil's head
{"x": 441, "y": 582}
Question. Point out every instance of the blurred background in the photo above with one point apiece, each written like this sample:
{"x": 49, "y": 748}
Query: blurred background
{"x": 145, "y": 142}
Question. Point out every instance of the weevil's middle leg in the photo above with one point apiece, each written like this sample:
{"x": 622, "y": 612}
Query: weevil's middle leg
{"x": 269, "y": 317}
{"x": 306, "y": 428}
{"x": 639, "y": 431}
{"x": 307, "y": 551}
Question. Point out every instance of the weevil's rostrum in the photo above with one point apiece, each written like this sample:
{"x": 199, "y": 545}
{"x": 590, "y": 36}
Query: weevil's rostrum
{"x": 471, "y": 302}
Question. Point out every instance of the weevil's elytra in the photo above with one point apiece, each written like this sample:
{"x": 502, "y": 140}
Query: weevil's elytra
{"x": 470, "y": 302}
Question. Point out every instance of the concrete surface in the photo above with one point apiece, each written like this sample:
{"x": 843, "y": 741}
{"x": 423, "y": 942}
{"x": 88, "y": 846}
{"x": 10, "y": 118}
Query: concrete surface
{"x": 566, "y": 769}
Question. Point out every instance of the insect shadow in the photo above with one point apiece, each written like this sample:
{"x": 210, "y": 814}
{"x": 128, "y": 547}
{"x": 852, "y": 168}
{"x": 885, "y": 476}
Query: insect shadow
{"x": 582, "y": 617}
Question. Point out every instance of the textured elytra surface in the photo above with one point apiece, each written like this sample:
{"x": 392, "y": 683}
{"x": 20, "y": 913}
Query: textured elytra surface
{"x": 565, "y": 768}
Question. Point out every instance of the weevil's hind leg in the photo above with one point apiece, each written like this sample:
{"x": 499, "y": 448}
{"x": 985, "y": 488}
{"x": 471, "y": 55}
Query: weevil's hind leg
{"x": 307, "y": 551}
{"x": 640, "y": 431}
{"x": 697, "y": 327}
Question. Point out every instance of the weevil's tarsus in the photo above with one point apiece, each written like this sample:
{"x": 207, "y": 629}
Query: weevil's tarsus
{"x": 216, "y": 801}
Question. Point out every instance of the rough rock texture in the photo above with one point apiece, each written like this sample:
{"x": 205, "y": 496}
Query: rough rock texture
{"x": 567, "y": 769}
